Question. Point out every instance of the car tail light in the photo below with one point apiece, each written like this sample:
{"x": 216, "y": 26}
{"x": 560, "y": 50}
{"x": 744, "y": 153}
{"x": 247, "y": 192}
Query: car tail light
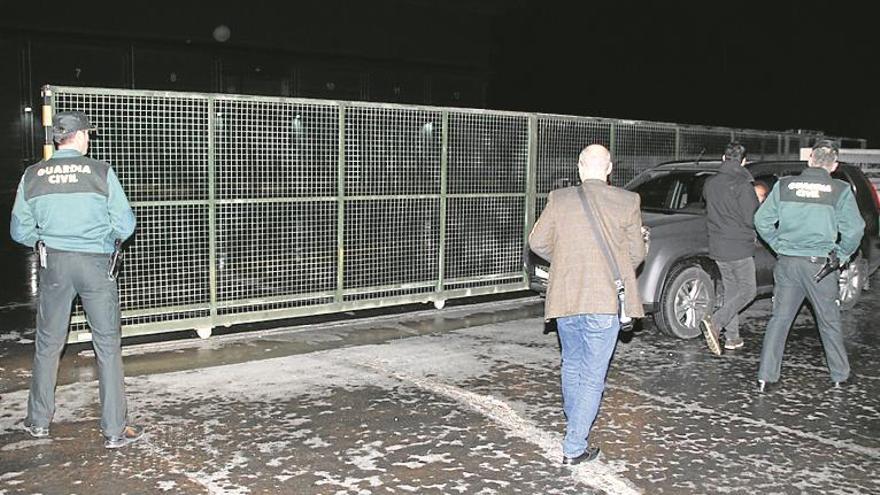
{"x": 876, "y": 195}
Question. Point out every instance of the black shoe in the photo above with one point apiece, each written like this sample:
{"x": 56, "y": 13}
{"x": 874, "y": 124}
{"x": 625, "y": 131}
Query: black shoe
{"x": 588, "y": 455}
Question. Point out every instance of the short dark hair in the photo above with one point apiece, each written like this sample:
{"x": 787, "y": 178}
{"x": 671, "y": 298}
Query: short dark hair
{"x": 62, "y": 140}
{"x": 825, "y": 152}
{"x": 735, "y": 151}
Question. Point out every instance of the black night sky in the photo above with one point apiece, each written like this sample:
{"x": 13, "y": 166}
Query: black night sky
{"x": 769, "y": 65}
{"x": 776, "y": 65}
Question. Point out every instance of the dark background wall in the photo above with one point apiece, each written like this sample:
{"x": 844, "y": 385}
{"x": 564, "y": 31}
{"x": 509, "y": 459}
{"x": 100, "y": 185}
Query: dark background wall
{"x": 788, "y": 64}
{"x": 408, "y": 51}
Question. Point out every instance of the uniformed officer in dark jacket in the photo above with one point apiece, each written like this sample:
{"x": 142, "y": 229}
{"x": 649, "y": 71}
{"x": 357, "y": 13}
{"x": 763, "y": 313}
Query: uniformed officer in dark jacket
{"x": 74, "y": 210}
{"x": 801, "y": 220}
{"x": 730, "y": 207}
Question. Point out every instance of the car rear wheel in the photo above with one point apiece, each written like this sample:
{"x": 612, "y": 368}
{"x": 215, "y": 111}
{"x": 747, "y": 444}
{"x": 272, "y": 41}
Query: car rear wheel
{"x": 852, "y": 280}
{"x": 688, "y": 295}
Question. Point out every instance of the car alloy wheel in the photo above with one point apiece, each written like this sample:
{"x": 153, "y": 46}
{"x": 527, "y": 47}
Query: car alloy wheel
{"x": 851, "y": 283}
{"x": 688, "y": 294}
{"x": 692, "y": 302}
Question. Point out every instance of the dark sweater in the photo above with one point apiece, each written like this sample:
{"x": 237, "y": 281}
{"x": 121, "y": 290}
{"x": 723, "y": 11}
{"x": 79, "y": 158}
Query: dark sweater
{"x": 730, "y": 208}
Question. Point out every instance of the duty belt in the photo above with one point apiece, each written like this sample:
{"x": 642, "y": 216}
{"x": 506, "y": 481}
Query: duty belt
{"x": 819, "y": 260}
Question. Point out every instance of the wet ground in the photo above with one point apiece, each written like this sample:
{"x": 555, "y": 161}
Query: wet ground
{"x": 463, "y": 400}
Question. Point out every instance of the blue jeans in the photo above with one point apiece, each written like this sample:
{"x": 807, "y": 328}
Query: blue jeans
{"x": 588, "y": 343}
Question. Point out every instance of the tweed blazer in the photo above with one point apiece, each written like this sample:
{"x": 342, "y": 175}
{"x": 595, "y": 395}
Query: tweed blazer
{"x": 580, "y": 279}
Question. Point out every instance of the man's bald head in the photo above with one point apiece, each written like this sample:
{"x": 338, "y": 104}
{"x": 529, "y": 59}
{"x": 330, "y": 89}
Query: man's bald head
{"x": 594, "y": 162}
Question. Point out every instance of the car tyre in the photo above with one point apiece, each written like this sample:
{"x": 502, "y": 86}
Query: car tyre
{"x": 852, "y": 281}
{"x": 688, "y": 295}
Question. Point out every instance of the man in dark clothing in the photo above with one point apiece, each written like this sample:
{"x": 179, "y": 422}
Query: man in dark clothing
{"x": 731, "y": 203}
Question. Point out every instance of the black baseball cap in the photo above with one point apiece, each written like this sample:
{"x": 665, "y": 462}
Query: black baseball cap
{"x": 66, "y": 123}
{"x": 827, "y": 143}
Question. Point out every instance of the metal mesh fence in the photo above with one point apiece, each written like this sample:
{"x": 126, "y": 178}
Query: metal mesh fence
{"x": 639, "y": 146}
{"x": 560, "y": 140}
{"x": 485, "y": 215}
{"x": 159, "y": 149}
{"x": 275, "y": 183}
{"x": 391, "y": 210}
{"x": 760, "y": 147}
{"x": 251, "y": 208}
{"x": 702, "y": 142}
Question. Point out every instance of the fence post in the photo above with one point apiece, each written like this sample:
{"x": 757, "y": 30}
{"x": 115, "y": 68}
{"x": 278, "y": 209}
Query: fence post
{"x": 212, "y": 214}
{"x": 677, "y": 142}
{"x": 340, "y": 208}
{"x": 48, "y": 103}
{"x": 531, "y": 187}
{"x": 612, "y": 141}
{"x": 444, "y": 176}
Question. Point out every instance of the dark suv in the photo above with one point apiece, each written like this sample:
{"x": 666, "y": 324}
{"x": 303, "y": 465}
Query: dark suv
{"x": 678, "y": 282}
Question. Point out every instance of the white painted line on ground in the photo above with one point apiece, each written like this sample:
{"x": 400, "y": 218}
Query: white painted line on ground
{"x": 593, "y": 474}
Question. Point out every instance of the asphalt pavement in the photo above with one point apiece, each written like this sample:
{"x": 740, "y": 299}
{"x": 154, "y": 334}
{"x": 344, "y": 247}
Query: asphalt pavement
{"x": 460, "y": 400}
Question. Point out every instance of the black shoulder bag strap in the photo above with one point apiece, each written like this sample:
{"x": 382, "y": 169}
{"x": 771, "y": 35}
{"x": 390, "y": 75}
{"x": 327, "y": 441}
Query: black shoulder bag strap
{"x": 592, "y": 219}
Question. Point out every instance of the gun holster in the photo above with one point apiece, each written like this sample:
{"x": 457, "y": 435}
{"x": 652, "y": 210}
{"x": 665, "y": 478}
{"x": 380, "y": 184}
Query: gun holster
{"x": 832, "y": 264}
{"x": 115, "y": 263}
{"x": 40, "y": 251}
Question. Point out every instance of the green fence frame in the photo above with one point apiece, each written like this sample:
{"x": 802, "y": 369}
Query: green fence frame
{"x": 486, "y": 178}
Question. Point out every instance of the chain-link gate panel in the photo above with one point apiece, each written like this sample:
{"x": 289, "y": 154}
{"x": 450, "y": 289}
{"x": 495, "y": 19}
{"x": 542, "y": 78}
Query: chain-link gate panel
{"x": 392, "y": 216}
{"x": 560, "y": 141}
{"x": 269, "y": 150}
{"x": 487, "y": 153}
{"x": 760, "y": 146}
{"x": 639, "y": 146}
{"x": 391, "y": 247}
{"x": 158, "y": 146}
{"x": 484, "y": 240}
{"x": 487, "y": 164}
{"x": 275, "y": 167}
{"x": 703, "y": 143}
{"x": 273, "y": 253}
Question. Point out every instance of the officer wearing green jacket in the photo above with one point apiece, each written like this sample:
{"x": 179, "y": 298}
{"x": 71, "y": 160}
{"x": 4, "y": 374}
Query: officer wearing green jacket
{"x": 73, "y": 210}
{"x": 801, "y": 220}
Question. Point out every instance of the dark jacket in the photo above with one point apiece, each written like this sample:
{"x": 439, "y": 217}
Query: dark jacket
{"x": 72, "y": 203}
{"x": 805, "y": 215}
{"x": 731, "y": 203}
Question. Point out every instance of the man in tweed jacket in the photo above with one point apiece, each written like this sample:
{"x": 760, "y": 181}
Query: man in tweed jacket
{"x": 581, "y": 294}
